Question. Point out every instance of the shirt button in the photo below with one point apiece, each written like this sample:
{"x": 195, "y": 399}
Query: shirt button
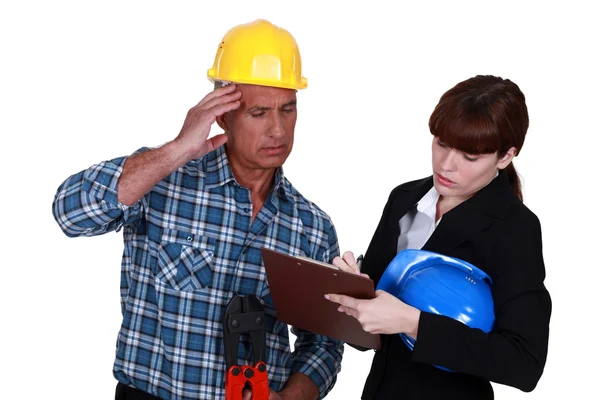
{"x": 189, "y": 238}
{"x": 246, "y": 210}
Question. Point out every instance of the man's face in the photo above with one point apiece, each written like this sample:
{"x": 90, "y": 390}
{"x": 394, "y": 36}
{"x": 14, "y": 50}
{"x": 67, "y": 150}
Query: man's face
{"x": 260, "y": 132}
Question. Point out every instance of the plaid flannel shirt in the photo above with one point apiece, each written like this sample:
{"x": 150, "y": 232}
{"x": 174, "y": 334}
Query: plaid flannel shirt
{"x": 190, "y": 245}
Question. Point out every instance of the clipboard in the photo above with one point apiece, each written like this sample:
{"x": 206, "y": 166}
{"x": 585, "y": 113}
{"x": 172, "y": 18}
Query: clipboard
{"x": 298, "y": 286}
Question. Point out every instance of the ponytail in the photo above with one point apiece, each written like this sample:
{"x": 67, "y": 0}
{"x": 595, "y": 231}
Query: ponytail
{"x": 514, "y": 180}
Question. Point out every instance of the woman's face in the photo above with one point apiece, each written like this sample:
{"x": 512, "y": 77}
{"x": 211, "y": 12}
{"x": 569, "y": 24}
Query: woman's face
{"x": 460, "y": 175}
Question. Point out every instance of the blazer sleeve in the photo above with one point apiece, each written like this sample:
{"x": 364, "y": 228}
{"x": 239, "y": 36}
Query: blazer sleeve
{"x": 514, "y": 352}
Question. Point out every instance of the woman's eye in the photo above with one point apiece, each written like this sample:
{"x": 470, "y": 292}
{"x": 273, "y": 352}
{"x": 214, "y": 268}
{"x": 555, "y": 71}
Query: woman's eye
{"x": 441, "y": 144}
{"x": 470, "y": 158}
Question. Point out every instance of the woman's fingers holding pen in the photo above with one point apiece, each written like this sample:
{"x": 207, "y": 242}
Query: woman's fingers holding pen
{"x": 341, "y": 264}
{"x": 347, "y": 263}
{"x": 349, "y": 258}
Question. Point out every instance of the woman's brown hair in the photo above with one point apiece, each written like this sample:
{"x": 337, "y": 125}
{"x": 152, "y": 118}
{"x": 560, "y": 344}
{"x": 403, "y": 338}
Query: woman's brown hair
{"x": 483, "y": 115}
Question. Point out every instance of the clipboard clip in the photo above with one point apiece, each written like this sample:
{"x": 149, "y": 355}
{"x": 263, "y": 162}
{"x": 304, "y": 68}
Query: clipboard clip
{"x": 245, "y": 315}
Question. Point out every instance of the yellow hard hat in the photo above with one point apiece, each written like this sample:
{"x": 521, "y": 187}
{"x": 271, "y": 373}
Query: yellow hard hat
{"x": 259, "y": 53}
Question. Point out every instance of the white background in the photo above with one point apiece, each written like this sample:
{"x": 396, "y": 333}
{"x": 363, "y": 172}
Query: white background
{"x": 83, "y": 81}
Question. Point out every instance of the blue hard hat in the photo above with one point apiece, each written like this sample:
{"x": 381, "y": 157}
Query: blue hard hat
{"x": 443, "y": 285}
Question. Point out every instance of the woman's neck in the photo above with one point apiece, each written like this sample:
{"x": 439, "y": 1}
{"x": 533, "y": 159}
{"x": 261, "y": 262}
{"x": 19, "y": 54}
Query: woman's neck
{"x": 445, "y": 204}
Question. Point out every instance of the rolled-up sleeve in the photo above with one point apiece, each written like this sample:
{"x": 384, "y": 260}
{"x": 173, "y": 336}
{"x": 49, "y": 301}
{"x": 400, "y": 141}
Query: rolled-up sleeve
{"x": 318, "y": 357}
{"x": 86, "y": 204}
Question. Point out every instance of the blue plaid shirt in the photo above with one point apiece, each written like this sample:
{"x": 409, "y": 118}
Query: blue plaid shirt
{"x": 190, "y": 245}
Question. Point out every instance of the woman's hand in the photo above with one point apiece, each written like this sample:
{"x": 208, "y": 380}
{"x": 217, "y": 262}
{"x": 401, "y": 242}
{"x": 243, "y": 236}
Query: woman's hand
{"x": 383, "y": 314}
{"x": 348, "y": 263}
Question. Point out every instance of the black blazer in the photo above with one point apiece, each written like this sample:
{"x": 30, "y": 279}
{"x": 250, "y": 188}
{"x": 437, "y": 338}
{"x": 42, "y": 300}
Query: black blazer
{"x": 496, "y": 232}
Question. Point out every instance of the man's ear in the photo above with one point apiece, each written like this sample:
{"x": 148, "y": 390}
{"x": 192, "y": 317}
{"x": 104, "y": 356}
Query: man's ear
{"x": 505, "y": 160}
{"x": 221, "y": 121}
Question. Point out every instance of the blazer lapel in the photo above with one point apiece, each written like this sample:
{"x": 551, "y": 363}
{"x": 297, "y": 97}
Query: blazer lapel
{"x": 405, "y": 202}
{"x": 471, "y": 216}
{"x": 456, "y": 227}
{"x": 402, "y": 199}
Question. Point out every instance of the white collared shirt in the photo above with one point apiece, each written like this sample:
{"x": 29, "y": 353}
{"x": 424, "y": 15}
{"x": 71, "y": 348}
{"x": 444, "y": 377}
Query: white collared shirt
{"x": 418, "y": 224}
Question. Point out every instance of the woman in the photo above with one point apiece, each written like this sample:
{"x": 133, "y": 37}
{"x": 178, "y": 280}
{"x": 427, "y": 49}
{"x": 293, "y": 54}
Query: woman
{"x": 470, "y": 208}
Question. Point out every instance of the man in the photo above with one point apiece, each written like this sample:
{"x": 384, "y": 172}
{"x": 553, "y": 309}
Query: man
{"x": 195, "y": 213}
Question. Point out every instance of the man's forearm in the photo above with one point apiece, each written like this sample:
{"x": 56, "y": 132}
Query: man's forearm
{"x": 299, "y": 387}
{"x": 142, "y": 171}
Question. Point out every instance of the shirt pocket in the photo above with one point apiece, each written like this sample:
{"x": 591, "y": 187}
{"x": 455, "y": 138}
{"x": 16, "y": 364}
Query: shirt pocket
{"x": 185, "y": 260}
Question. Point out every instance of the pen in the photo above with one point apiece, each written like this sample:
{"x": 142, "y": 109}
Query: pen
{"x": 359, "y": 261}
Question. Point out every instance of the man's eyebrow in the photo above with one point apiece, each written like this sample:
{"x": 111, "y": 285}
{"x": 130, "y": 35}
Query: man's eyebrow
{"x": 288, "y": 104}
{"x": 259, "y": 108}
{"x": 266, "y": 108}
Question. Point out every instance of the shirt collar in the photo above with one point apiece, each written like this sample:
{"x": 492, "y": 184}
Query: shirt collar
{"x": 282, "y": 186}
{"x": 218, "y": 172}
{"x": 432, "y": 196}
{"x": 430, "y": 199}
{"x": 216, "y": 167}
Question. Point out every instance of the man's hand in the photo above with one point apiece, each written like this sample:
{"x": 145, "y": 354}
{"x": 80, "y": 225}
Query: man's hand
{"x": 298, "y": 387}
{"x": 193, "y": 138}
{"x": 142, "y": 171}
{"x": 247, "y": 395}
{"x": 383, "y": 314}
